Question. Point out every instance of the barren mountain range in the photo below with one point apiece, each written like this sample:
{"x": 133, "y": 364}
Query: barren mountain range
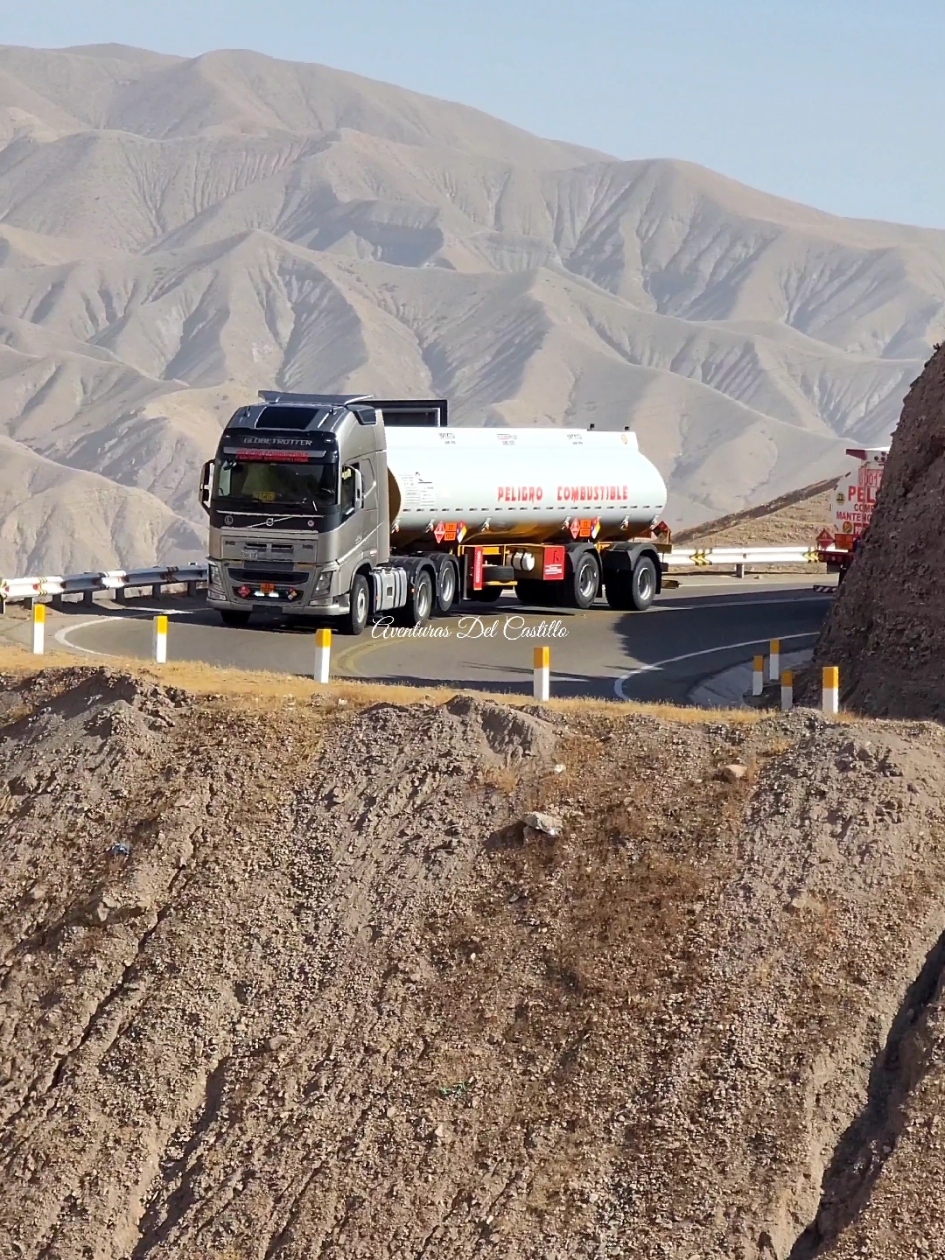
{"x": 176, "y": 234}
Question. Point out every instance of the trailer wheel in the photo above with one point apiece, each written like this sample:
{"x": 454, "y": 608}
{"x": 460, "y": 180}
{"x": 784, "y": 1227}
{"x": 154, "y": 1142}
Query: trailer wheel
{"x": 585, "y": 580}
{"x": 446, "y": 588}
{"x": 530, "y": 591}
{"x": 419, "y": 604}
{"x": 618, "y": 593}
{"x": 643, "y": 584}
{"x": 233, "y": 617}
{"x": 359, "y": 606}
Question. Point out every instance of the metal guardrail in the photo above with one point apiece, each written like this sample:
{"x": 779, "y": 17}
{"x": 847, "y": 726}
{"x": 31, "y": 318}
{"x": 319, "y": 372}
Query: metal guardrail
{"x": 687, "y": 557}
{"x": 13, "y": 590}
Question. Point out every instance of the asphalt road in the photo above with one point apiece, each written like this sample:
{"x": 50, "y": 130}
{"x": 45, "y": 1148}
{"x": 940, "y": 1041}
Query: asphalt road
{"x": 689, "y": 635}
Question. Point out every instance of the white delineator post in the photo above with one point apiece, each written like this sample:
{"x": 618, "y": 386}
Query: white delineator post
{"x": 322, "y": 655}
{"x": 39, "y": 629}
{"x": 542, "y": 684}
{"x": 787, "y": 690}
{"x": 774, "y": 661}
{"x": 160, "y": 639}
{"x": 758, "y": 676}
{"x": 831, "y": 691}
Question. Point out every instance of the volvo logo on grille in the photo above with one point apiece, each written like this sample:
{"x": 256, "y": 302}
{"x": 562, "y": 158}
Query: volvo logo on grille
{"x": 228, "y": 520}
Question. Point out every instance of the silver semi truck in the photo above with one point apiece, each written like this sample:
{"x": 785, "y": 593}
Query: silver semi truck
{"x": 349, "y": 507}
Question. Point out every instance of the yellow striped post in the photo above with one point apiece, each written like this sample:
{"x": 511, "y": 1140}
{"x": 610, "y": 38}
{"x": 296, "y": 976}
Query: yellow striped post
{"x": 160, "y": 638}
{"x": 39, "y": 629}
{"x": 758, "y": 676}
{"x": 831, "y": 691}
{"x": 542, "y": 683}
{"x": 322, "y": 655}
{"x": 774, "y": 660}
{"x": 787, "y": 690}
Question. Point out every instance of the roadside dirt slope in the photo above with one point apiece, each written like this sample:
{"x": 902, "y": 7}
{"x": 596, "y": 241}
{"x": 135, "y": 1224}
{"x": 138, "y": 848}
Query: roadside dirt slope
{"x": 335, "y": 1000}
{"x": 793, "y": 518}
{"x": 886, "y": 629}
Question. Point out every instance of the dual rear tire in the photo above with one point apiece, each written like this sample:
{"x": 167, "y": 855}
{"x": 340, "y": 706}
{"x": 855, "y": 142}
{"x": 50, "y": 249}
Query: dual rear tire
{"x": 635, "y": 591}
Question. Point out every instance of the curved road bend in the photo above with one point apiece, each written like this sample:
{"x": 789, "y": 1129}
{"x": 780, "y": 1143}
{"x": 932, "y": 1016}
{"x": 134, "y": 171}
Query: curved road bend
{"x": 706, "y": 626}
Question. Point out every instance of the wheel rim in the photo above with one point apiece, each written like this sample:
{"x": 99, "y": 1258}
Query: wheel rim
{"x": 424, "y": 598}
{"x": 587, "y": 580}
{"x": 448, "y": 586}
{"x": 644, "y": 583}
{"x": 362, "y": 604}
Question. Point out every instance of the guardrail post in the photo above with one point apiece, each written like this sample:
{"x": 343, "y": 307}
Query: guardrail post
{"x": 831, "y": 691}
{"x": 541, "y": 687}
{"x": 787, "y": 690}
{"x": 191, "y": 590}
{"x": 160, "y": 639}
{"x": 39, "y": 629}
{"x": 758, "y": 676}
{"x": 119, "y": 596}
{"x": 156, "y": 590}
{"x": 88, "y": 599}
{"x": 774, "y": 660}
{"x": 739, "y": 570}
{"x": 322, "y": 655}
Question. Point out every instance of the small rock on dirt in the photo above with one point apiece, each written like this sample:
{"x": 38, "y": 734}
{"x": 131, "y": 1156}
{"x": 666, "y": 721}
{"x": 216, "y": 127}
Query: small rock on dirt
{"x": 547, "y": 824}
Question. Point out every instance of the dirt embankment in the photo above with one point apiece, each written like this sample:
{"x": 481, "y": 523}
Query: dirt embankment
{"x": 887, "y": 627}
{"x": 793, "y": 518}
{"x": 298, "y": 982}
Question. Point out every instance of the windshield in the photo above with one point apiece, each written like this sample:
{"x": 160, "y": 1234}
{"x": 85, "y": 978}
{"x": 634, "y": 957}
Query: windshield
{"x": 310, "y": 485}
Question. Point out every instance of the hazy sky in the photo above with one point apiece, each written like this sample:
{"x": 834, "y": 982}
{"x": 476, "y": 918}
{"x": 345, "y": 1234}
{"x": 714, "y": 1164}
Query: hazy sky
{"x": 837, "y": 103}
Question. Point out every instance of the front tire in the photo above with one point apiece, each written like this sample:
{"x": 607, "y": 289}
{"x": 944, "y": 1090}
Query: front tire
{"x": 233, "y": 618}
{"x": 359, "y": 606}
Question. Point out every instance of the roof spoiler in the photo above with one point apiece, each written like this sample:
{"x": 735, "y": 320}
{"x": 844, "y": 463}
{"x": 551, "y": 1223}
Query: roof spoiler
{"x": 313, "y": 400}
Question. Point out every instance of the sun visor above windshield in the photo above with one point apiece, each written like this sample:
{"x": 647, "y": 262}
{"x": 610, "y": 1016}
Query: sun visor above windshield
{"x": 314, "y": 447}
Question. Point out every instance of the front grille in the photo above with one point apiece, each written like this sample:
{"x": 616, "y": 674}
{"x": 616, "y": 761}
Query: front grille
{"x": 276, "y": 573}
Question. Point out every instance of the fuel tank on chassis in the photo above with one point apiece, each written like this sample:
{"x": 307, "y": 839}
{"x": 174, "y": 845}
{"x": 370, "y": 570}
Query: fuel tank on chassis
{"x": 520, "y": 485}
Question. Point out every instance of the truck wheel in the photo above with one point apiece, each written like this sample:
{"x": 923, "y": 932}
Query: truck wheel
{"x": 446, "y": 588}
{"x": 530, "y": 591}
{"x": 488, "y": 595}
{"x": 618, "y": 593}
{"x": 643, "y": 584}
{"x": 419, "y": 604}
{"x": 230, "y": 617}
{"x": 585, "y": 580}
{"x": 359, "y": 608}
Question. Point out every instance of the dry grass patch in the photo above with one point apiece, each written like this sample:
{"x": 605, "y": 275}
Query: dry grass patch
{"x": 262, "y": 687}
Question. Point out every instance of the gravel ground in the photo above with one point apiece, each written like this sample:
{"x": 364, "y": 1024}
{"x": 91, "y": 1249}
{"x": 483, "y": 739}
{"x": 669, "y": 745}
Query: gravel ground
{"x": 297, "y": 980}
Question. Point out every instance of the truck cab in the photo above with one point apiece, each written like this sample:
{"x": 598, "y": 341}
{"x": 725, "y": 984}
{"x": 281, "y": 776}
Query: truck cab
{"x": 297, "y": 497}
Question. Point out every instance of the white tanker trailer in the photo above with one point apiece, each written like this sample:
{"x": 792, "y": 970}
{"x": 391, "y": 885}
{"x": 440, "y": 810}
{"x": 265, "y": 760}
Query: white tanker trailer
{"x": 335, "y": 506}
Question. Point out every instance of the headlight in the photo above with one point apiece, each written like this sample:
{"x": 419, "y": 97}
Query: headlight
{"x": 214, "y": 579}
{"x": 323, "y": 581}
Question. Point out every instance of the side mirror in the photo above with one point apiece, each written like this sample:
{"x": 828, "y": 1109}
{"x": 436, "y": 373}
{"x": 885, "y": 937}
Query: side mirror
{"x": 358, "y": 489}
{"x": 206, "y": 484}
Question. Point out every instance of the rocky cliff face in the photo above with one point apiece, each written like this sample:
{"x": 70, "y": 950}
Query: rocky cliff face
{"x": 887, "y": 629}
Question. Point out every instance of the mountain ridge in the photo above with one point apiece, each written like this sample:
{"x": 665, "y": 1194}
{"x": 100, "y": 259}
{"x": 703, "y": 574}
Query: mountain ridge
{"x": 258, "y": 224}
